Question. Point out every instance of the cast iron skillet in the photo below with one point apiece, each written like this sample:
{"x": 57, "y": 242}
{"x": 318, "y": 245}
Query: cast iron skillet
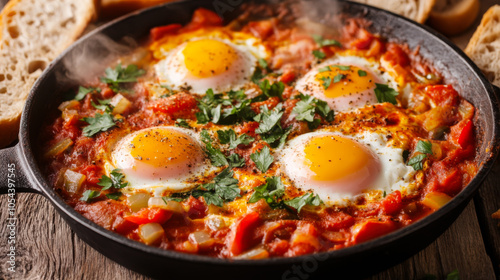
{"x": 356, "y": 261}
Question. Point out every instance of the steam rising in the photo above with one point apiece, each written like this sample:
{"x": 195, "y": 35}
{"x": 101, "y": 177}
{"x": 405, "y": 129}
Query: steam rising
{"x": 91, "y": 57}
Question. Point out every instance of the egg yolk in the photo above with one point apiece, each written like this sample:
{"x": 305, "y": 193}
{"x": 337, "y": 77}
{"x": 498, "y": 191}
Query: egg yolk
{"x": 207, "y": 57}
{"x": 332, "y": 158}
{"x": 164, "y": 148}
{"x": 340, "y": 80}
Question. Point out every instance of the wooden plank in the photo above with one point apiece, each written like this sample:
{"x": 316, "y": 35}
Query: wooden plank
{"x": 460, "y": 247}
{"x": 487, "y": 203}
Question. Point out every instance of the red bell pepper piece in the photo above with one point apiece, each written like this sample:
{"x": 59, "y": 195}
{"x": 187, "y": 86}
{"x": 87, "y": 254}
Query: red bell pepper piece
{"x": 149, "y": 215}
{"x": 371, "y": 229}
{"x": 467, "y": 135}
{"x": 160, "y": 31}
{"x": 392, "y": 203}
{"x": 242, "y": 232}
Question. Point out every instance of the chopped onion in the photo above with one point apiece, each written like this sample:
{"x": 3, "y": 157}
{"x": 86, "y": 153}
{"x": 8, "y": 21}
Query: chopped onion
{"x": 216, "y": 222}
{"x": 73, "y": 181}
{"x": 202, "y": 238}
{"x": 150, "y": 233}
{"x": 68, "y": 105}
{"x": 120, "y": 104}
{"x": 254, "y": 254}
{"x": 68, "y": 113}
{"x": 170, "y": 205}
{"x": 435, "y": 200}
{"x": 138, "y": 201}
{"x": 59, "y": 147}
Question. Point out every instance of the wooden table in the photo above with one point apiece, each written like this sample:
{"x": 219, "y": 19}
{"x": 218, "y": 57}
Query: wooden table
{"x": 48, "y": 249}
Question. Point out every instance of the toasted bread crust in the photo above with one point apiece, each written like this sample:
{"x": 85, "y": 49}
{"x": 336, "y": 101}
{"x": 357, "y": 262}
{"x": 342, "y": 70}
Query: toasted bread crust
{"x": 417, "y": 10}
{"x": 484, "y": 46}
{"x": 30, "y": 38}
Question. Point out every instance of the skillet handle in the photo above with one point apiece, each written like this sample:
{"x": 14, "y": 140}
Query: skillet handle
{"x": 13, "y": 176}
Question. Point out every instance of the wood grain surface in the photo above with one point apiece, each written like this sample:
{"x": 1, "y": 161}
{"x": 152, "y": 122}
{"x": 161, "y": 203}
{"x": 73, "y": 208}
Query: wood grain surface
{"x": 46, "y": 248}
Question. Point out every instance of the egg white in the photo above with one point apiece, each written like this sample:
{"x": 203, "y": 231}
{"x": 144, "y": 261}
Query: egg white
{"x": 159, "y": 186}
{"x": 394, "y": 173}
{"x": 171, "y": 71}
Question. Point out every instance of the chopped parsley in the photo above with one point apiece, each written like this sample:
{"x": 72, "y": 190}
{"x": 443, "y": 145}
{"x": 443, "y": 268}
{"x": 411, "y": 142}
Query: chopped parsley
{"x": 361, "y": 73}
{"x": 342, "y": 67}
{"x": 114, "y": 181}
{"x": 327, "y": 81}
{"x": 211, "y": 108}
{"x": 274, "y": 90}
{"x": 115, "y": 77}
{"x": 88, "y": 195}
{"x": 271, "y": 192}
{"x": 325, "y": 42}
{"x": 385, "y": 93}
{"x": 318, "y": 54}
{"x": 270, "y": 129}
{"x": 308, "y": 107}
{"x": 103, "y": 105}
{"x": 263, "y": 63}
{"x": 114, "y": 196}
{"x": 235, "y": 161}
{"x": 229, "y": 137}
{"x": 262, "y": 159}
{"x": 223, "y": 189}
{"x": 301, "y": 201}
{"x": 98, "y": 123}
{"x": 425, "y": 149}
{"x": 83, "y": 91}
{"x": 182, "y": 123}
{"x": 216, "y": 156}
{"x": 338, "y": 78}
{"x": 324, "y": 69}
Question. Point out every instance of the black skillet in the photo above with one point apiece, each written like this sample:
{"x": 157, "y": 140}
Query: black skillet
{"x": 352, "y": 262}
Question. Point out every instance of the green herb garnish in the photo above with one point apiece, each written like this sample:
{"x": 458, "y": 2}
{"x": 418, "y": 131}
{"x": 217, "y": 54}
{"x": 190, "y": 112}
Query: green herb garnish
{"x": 98, "y": 123}
{"x": 385, "y": 94}
{"x": 425, "y": 149}
{"x": 262, "y": 159}
{"x": 88, "y": 195}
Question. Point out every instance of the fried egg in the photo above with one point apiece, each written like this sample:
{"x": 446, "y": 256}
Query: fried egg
{"x": 345, "y": 82}
{"x": 220, "y": 61}
{"x": 160, "y": 159}
{"x": 340, "y": 168}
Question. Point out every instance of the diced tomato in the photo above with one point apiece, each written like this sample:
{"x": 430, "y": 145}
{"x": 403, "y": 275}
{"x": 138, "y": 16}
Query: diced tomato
{"x": 448, "y": 179}
{"x": 107, "y": 93}
{"x": 269, "y": 103}
{"x": 364, "y": 40}
{"x": 392, "y": 203}
{"x": 395, "y": 55}
{"x": 261, "y": 29}
{"x": 122, "y": 226}
{"x": 467, "y": 135}
{"x": 287, "y": 77}
{"x": 202, "y": 18}
{"x": 337, "y": 220}
{"x": 160, "y": 31}
{"x": 376, "y": 48}
{"x": 241, "y": 236}
{"x": 443, "y": 95}
{"x": 247, "y": 128}
{"x": 178, "y": 105}
{"x": 149, "y": 215}
{"x": 371, "y": 229}
{"x": 92, "y": 172}
{"x": 197, "y": 208}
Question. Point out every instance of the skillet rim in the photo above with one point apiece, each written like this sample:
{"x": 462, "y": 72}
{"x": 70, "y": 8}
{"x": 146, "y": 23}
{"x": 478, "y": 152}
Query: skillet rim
{"x": 36, "y": 177}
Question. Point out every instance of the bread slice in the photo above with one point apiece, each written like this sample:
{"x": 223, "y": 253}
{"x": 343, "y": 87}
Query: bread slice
{"x": 453, "y": 17}
{"x": 417, "y": 10}
{"x": 32, "y": 34}
{"x": 484, "y": 46}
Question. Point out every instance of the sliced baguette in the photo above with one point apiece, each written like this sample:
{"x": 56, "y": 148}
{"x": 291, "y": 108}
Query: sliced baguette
{"x": 32, "y": 34}
{"x": 453, "y": 17}
{"x": 417, "y": 10}
{"x": 484, "y": 46}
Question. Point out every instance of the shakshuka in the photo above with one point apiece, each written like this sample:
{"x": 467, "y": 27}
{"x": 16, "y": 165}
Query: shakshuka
{"x": 261, "y": 139}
